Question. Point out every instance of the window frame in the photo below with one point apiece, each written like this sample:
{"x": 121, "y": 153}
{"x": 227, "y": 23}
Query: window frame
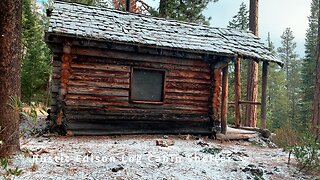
{"x": 145, "y": 101}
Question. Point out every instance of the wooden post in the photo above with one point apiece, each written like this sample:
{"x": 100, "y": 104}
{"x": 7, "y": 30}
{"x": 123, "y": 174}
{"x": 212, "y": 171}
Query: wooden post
{"x": 224, "y": 107}
{"x": 214, "y": 106}
{"x": 264, "y": 95}
{"x": 237, "y": 92}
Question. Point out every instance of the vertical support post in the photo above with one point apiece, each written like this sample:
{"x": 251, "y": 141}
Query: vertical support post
{"x": 214, "y": 106}
{"x": 224, "y": 108}
{"x": 237, "y": 92}
{"x": 264, "y": 95}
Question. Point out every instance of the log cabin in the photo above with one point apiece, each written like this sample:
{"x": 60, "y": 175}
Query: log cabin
{"x": 117, "y": 72}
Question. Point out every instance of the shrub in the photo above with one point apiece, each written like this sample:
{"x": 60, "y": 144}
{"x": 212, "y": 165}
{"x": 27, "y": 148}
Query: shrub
{"x": 307, "y": 154}
{"x": 286, "y": 137}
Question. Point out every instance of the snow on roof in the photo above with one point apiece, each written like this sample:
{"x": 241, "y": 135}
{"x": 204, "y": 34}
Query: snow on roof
{"x": 78, "y": 20}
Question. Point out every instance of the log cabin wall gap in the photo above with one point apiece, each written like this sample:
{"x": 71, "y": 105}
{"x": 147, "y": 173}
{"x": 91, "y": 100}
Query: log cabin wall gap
{"x": 117, "y": 72}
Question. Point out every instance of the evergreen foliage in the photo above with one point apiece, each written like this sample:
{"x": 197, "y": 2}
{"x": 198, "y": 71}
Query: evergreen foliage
{"x": 309, "y": 64}
{"x": 277, "y": 98}
{"x": 240, "y": 21}
{"x": 292, "y": 66}
{"x": 183, "y": 10}
{"x": 36, "y": 55}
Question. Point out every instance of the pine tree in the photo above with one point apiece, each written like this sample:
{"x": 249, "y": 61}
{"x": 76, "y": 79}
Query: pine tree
{"x": 316, "y": 99}
{"x": 309, "y": 64}
{"x": 240, "y": 21}
{"x": 36, "y": 59}
{"x": 184, "y": 10}
{"x": 292, "y": 75}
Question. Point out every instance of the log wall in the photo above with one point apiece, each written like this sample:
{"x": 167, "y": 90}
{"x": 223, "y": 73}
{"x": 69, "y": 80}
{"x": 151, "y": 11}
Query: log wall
{"x": 97, "y": 98}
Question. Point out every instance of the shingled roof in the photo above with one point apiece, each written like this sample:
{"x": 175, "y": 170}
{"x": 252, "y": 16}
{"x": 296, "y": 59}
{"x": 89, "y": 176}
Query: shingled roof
{"x": 76, "y": 20}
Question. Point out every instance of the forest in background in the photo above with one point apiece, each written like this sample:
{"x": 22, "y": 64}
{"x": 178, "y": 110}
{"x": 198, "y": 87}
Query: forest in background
{"x": 290, "y": 88}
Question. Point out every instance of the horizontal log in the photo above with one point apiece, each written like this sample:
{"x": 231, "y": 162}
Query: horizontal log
{"x": 99, "y": 79}
{"x": 99, "y": 73}
{"x": 182, "y": 85}
{"x": 106, "y": 67}
{"x": 187, "y": 80}
{"x": 94, "y": 103}
{"x": 132, "y": 118}
{"x": 187, "y": 102}
{"x": 97, "y": 97}
{"x": 156, "y": 65}
{"x": 97, "y": 91}
{"x": 143, "y": 108}
{"x": 135, "y": 56}
{"x": 124, "y": 110}
{"x": 99, "y": 84}
{"x": 188, "y": 74}
{"x": 182, "y": 96}
{"x": 189, "y": 91}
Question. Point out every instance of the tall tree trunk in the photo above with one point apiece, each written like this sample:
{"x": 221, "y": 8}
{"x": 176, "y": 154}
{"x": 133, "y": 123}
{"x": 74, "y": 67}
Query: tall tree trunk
{"x": 10, "y": 59}
{"x": 252, "y": 79}
{"x": 163, "y": 8}
{"x": 316, "y": 99}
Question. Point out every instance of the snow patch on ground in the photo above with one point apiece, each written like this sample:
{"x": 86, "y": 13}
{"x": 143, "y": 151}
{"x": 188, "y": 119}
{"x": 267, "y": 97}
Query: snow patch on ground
{"x": 138, "y": 157}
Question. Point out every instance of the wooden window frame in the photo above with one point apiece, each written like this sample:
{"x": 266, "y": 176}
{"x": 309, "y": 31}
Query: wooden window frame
{"x": 163, "y": 86}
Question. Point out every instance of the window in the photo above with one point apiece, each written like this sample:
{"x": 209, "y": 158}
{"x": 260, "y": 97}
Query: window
{"x": 147, "y": 85}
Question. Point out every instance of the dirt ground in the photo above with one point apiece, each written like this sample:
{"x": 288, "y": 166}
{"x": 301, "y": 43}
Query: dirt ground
{"x": 138, "y": 157}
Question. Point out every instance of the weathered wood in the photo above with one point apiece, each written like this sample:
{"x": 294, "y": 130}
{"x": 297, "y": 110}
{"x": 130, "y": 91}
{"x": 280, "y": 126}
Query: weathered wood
{"x": 237, "y": 92}
{"x": 186, "y": 102}
{"x": 194, "y": 55}
{"x": 97, "y": 91}
{"x": 224, "y": 99}
{"x": 99, "y": 79}
{"x": 182, "y": 85}
{"x": 188, "y": 74}
{"x": 215, "y": 95}
{"x": 183, "y": 96}
{"x": 187, "y": 80}
{"x": 99, "y": 84}
{"x": 135, "y": 56}
{"x": 106, "y": 67}
{"x": 156, "y": 65}
{"x": 97, "y": 97}
{"x": 189, "y": 91}
{"x": 264, "y": 95}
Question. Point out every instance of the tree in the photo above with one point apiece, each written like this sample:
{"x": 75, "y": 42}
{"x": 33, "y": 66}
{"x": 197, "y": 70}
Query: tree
{"x": 316, "y": 100}
{"x": 240, "y": 21}
{"x": 10, "y": 40}
{"x": 36, "y": 55}
{"x": 309, "y": 64}
{"x": 252, "y": 77}
{"x": 184, "y": 10}
{"x": 292, "y": 75}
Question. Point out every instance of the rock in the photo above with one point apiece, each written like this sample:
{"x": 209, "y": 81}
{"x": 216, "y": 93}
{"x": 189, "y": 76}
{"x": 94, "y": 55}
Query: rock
{"x": 164, "y": 143}
{"x": 88, "y": 153}
{"x": 165, "y": 137}
{"x": 202, "y": 143}
{"x": 116, "y": 169}
{"x": 264, "y": 133}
